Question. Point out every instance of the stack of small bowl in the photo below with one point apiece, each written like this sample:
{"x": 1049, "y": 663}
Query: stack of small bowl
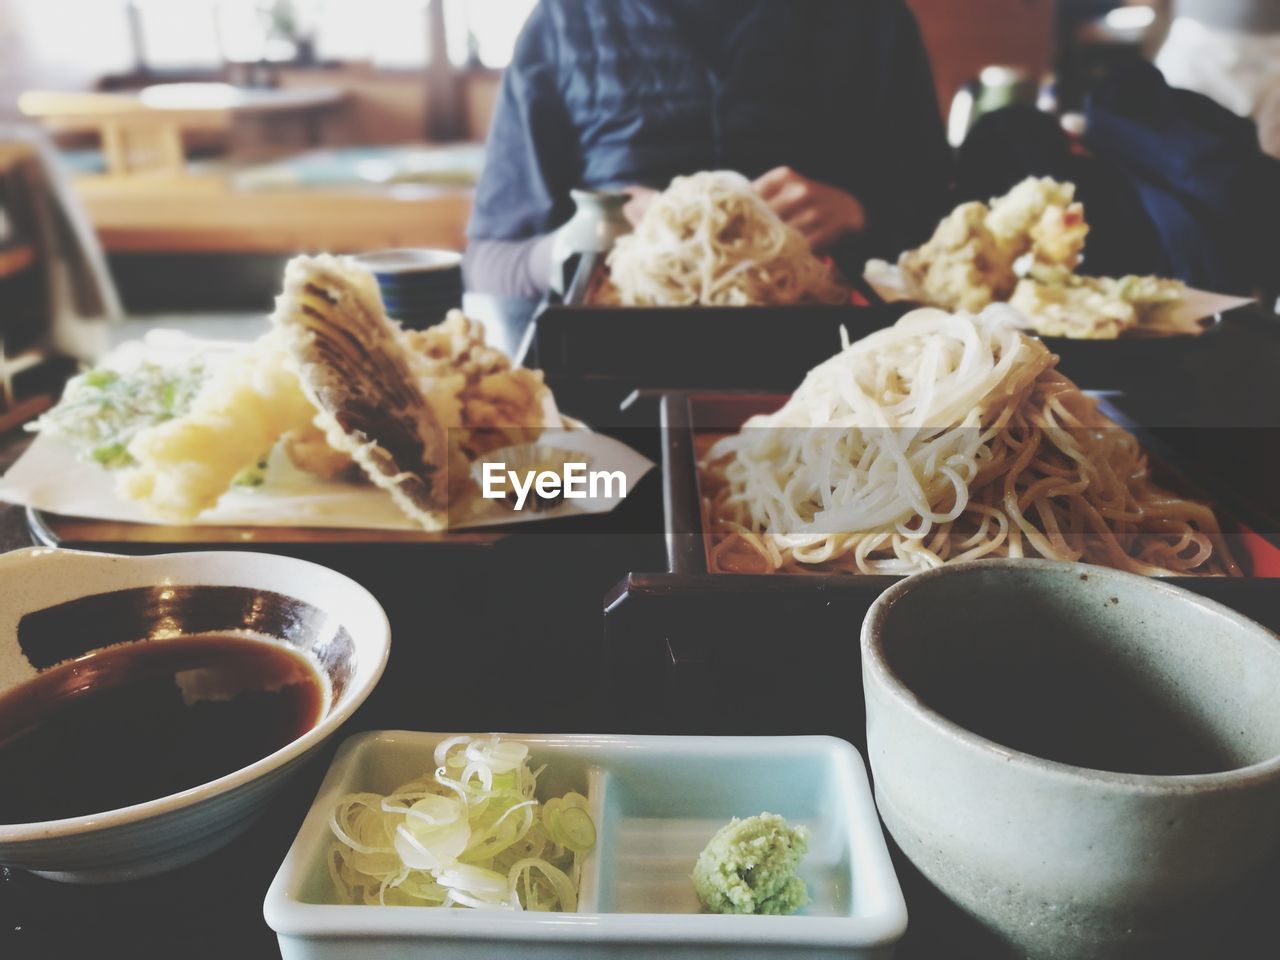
{"x": 419, "y": 286}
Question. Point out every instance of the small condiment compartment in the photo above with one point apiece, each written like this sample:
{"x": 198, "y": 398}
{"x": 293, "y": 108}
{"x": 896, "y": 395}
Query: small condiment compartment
{"x": 656, "y": 801}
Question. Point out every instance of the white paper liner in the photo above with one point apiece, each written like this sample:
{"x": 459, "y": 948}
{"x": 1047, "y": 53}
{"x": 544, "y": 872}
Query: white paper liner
{"x": 49, "y": 476}
{"x": 1183, "y": 318}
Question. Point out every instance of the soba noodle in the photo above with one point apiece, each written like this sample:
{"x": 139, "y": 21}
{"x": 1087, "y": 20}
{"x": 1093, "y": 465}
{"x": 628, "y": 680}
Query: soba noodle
{"x": 943, "y": 438}
{"x": 710, "y": 239}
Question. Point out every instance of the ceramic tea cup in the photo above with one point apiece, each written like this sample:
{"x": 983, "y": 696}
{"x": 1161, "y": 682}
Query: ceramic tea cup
{"x": 1085, "y": 760}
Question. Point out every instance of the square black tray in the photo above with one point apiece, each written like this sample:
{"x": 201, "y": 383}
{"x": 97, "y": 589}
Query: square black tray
{"x": 755, "y": 653}
{"x": 593, "y": 357}
{"x": 606, "y": 351}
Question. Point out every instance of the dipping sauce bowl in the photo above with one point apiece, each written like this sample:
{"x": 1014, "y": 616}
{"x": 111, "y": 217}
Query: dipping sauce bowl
{"x": 66, "y": 611}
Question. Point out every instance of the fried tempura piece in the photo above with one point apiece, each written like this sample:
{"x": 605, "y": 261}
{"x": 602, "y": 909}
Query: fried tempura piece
{"x": 1099, "y": 308}
{"x": 184, "y": 465}
{"x": 1076, "y": 310}
{"x": 308, "y": 450}
{"x": 1012, "y": 217}
{"x": 978, "y": 252}
{"x": 489, "y": 403}
{"x": 962, "y": 266}
{"x": 352, "y": 364}
{"x": 346, "y": 390}
{"x": 1024, "y": 249}
{"x": 1057, "y": 238}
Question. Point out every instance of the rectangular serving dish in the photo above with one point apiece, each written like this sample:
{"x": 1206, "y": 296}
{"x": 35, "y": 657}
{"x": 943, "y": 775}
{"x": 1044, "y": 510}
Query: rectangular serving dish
{"x": 685, "y": 347}
{"x": 656, "y": 801}
{"x": 1254, "y": 532}
{"x": 683, "y": 644}
{"x": 689, "y": 334}
{"x": 1141, "y": 363}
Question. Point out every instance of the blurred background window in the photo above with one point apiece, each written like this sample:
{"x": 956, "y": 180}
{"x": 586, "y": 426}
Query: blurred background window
{"x": 173, "y": 34}
{"x": 386, "y": 33}
{"x": 39, "y": 50}
{"x": 483, "y": 32}
{"x": 185, "y": 35}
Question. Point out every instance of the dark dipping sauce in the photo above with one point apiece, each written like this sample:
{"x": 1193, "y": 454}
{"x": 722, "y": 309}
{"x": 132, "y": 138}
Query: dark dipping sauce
{"x": 140, "y": 721}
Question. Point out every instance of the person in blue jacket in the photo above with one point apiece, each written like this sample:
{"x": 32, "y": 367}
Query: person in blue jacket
{"x": 828, "y": 105}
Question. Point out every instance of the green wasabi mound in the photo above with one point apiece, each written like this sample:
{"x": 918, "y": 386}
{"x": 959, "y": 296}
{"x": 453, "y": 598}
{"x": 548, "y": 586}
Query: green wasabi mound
{"x": 750, "y": 867}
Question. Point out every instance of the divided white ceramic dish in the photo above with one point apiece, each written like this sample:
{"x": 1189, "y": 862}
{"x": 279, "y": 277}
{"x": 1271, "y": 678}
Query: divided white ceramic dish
{"x": 656, "y": 801}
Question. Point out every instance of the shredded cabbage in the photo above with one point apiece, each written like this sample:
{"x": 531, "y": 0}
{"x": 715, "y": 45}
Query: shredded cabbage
{"x": 471, "y": 834}
{"x": 102, "y": 409}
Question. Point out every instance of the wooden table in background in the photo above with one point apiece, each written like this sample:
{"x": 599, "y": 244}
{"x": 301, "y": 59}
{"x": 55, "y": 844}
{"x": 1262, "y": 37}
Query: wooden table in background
{"x": 143, "y": 133}
{"x": 207, "y": 215}
{"x": 149, "y": 199}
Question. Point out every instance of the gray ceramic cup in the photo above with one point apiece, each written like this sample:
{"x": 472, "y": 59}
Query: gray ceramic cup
{"x": 1086, "y": 761}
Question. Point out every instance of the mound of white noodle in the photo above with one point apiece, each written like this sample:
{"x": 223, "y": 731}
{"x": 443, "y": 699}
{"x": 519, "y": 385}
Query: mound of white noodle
{"x": 710, "y": 239}
{"x": 945, "y": 437}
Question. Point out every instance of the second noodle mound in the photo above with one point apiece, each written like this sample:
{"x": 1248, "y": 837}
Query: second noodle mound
{"x": 710, "y": 239}
{"x": 944, "y": 438}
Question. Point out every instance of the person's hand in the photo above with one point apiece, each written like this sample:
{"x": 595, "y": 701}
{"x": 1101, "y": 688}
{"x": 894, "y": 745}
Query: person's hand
{"x": 635, "y": 208}
{"x": 822, "y": 213}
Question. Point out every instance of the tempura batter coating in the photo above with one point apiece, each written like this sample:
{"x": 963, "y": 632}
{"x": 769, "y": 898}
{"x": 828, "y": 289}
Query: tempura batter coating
{"x": 347, "y": 391}
{"x": 184, "y": 465}
{"x": 1024, "y": 249}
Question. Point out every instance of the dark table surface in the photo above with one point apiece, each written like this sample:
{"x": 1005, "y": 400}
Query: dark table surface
{"x": 526, "y": 615}
{"x": 13, "y": 522}
{"x": 521, "y": 619}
